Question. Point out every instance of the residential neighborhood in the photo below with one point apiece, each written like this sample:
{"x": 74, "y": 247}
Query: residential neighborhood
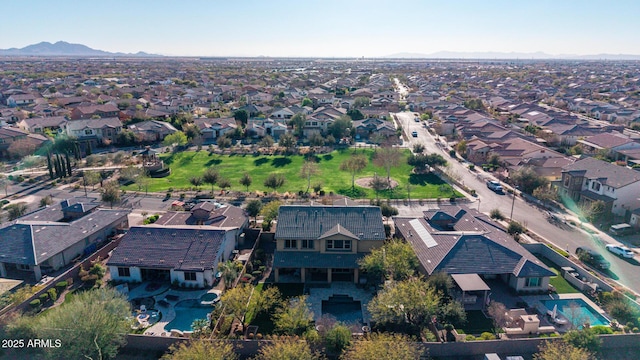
{"x": 254, "y": 203}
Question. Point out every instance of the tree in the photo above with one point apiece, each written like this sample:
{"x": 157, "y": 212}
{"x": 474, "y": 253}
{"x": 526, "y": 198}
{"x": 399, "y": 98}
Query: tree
{"x": 585, "y": 339}
{"x": 126, "y": 138}
{"x": 307, "y": 102}
{"x": 361, "y": 102}
{"x": 274, "y": 181}
{"x": 378, "y": 184}
{"x": 388, "y": 157}
{"x": 266, "y": 142}
{"x": 242, "y": 116}
{"x": 527, "y": 179}
{"x": 309, "y": 170}
{"x": 355, "y": 114}
{"x": 287, "y": 141}
{"x": 45, "y": 201}
{"x": 224, "y": 142}
{"x": 90, "y": 178}
{"x": 496, "y": 214}
{"x": 561, "y": 350}
{"x": 546, "y": 194}
{"x": 253, "y": 208}
{"x": 16, "y": 210}
{"x": 297, "y": 121}
{"x": 235, "y": 300}
{"x": 410, "y": 301}
{"x": 196, "y": 181}
{"x": 316, "y": 140}
{"x": 418, "y": 148}
{"x": 176, "y": 139}
{"x": 229, "y": 272}
{"x": 461, "y": 147}
{"x": 201, "y": 350}
{"x": 143, "y": 180}
{"x": 246, "y": 180}
{"x": 93, "y": 324}
{"x": 270, "y": 211}
{"x": 288, "y": 349}
{"x": 498, "y": 313}
{"x": 224, "y": 183}
{"x": 593, "y": 211}
{"x": 295, "y": 318}
{"x": 192, "y": 131}
{"x": 395, "y": 260}
{"x": 111, "y": 193}
{"x": 515, "y": 229}
{"x": 337, "y": 338}
{"x": 354, "y": 165}
{"x": 210, "y": 176}
{"x": 382, "y": 346}
{"x": 341, "y": 127}
{"x": 494, "y": 160}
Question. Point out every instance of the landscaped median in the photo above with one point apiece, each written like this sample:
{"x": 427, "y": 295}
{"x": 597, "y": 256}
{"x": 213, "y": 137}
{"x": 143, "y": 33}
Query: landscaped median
{"x": 185, "y": 165}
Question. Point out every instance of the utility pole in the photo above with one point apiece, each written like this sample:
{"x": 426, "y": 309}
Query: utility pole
{"x": 513, "y": 202}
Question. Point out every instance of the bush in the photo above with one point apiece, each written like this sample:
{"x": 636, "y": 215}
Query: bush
{"x": 43, "y": 297}
{"x": 496, "y": 214}
{"x": 61, "y": 286}
{"x": 601, "y": 329}
{"x": 53, "y": 294}
{"x": 487, "y": 336}
{"x": 470, "y": 338}
{"x": 35, "y": 303}
{"x": 338, "y": 338}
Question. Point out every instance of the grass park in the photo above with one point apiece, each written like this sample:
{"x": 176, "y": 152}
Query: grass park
{"x": 185, "y": 165}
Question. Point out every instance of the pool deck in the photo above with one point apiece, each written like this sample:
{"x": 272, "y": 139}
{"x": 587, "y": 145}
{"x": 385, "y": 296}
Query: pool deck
{"x": 536, "y": 302}
{"x": 317, "y": 295}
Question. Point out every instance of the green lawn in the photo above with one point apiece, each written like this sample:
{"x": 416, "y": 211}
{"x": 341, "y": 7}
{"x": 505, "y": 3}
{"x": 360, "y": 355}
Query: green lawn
{"x": 562, "y": 286}
{"x": 185, "y": 165}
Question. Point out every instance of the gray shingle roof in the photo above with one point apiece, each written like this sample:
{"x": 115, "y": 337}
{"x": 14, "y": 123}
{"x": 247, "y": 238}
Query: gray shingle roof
{"x": 611, "y": 174}
{"x": 32, "y": 242}
{"x": 311, "y": 222}
{"x": 169, "y": 248}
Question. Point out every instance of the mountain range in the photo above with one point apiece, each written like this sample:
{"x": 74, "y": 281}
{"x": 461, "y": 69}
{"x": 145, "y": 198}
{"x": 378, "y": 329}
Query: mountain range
{"x": 63, "y": 48}
{"x": 509, "y": 55}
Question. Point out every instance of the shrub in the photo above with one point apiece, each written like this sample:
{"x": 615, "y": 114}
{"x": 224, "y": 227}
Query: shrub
{"x": 35, "y": 303}
{"x": 61, "y": 286}
{"x": 487, "y": 336}
{"x": 53, "y": 294}
{"x": 601, "y": 329}
{"x": 43, "y": 297}
{"x": 338, "y": 338}
{"x": 496, "y": 214}
{"x": 470, "y": 338}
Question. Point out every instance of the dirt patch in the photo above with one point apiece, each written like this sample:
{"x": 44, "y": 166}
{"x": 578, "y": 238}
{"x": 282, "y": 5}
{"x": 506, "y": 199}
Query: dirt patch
{"x": 365, "y": 182}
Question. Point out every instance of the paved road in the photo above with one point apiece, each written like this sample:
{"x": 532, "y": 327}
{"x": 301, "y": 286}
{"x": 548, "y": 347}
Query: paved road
{"x": 562, "y": 235}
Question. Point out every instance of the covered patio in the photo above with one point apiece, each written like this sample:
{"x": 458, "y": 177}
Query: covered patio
{"x": 472, "y": 288}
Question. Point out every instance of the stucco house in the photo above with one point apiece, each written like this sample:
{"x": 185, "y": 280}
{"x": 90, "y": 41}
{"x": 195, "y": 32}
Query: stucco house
{"x": 96, "y": 130}
{"x": 184, "y": 255}
{"x": 457, "y": 240}
{"x": 324, "y": 243}
{"x": 52, "y": 237}
{"x": 152, "y": 130}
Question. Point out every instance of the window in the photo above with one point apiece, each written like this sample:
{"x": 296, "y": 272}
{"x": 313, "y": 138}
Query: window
{"x": 339, "y": 245}
{"x": 566, "y": 180}
{"x": 533, "y": 282}
{"x": 307, "y": 244}
{"x": 189, "y": 276}
{"x": 595, "y": 186}
{"x": 87, "y": 132}
{"x": 124, "y": 272}
{"x": 291, "y": 244}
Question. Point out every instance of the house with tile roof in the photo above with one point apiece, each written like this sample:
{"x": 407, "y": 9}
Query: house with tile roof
{"x": 52, "y": 237}
{"x": 589, "y": 180}
{"x": 184, "y": 255}
{"x": 152, "y": 130}
{"x": 324, "y": 243}
{"x": 452, "y": 238}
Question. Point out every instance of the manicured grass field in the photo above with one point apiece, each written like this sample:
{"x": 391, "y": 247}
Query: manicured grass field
{"x": 562, "y": 286}
{"x": 185, "y": 165}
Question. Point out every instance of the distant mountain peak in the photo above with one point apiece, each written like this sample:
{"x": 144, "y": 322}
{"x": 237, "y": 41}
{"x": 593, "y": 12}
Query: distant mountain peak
{"x": 63, "y": 48}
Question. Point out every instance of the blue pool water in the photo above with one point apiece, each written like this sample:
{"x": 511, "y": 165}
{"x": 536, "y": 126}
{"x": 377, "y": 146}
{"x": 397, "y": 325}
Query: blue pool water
{"x": 580, "y": 313}
{"x": 344, "y": 309}
{"x": 186, "y": 312}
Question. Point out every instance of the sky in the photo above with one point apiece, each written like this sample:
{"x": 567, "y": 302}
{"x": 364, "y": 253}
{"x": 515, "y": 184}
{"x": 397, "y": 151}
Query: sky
{"x": 327, "y": 28}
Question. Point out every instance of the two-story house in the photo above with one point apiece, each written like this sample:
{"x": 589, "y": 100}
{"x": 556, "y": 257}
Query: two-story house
{"x": 95, "y": 130}
{"x": 324, "y": 243}
{"x": 589, "y": 180}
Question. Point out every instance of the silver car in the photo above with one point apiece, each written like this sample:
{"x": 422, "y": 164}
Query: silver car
{"x": 620, "y": 250}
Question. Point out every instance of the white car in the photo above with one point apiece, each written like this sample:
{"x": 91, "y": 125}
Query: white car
{"x": 620, "y": 250}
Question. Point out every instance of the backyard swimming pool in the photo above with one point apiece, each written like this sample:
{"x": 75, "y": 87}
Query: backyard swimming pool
{"x": 576, "y": 311}
{"x": 187, "y": 312}
{"x": 344, "y": 309}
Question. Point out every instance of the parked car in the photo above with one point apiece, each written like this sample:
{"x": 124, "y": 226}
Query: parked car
{"x": 495, "y": 186}
{"x": 416, "y": 119}
{"x": 414, "y": 133}
{"x": 592, "y": 258}
{"x": 620, "y": 250}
